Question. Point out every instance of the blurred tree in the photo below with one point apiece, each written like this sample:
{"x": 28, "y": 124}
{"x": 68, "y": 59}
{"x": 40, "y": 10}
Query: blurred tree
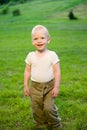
{"x": 71, "y": 16}
{"x": 16, "y": 12}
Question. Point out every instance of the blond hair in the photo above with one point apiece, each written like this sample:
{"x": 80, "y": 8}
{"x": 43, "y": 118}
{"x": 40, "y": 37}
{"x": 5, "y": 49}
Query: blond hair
{"x": 40, "y": 27}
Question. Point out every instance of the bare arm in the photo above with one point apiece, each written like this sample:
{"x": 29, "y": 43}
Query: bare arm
{"x": 56, "y": 69}
{"x": 27, "y": 74}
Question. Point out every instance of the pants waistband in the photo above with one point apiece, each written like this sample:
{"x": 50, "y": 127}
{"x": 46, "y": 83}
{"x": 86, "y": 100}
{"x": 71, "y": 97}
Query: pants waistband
{"x": 42, "y": 82}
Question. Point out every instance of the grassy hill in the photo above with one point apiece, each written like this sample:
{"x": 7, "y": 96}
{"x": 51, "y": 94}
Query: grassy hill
{"x": 68, "y": 39}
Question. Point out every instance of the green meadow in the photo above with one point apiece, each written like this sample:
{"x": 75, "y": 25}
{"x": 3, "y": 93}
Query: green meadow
{"x": 68, "y": 40}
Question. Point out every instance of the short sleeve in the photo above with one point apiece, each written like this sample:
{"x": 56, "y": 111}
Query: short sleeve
{"x": 55, "y": 58}
{"x": 28, "y": 59}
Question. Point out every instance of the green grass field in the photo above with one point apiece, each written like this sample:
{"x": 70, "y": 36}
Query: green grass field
{"x": 68, "y": 39}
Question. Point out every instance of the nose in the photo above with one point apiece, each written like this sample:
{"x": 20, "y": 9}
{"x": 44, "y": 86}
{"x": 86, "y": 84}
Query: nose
{"x": 39, "y": 40}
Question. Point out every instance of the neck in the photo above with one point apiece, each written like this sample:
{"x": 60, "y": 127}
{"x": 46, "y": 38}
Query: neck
{"x": 41, "y": 53}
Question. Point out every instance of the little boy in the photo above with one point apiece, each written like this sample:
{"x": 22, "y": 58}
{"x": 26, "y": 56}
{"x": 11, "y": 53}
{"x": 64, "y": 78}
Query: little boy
{"x": 43, "y": 69}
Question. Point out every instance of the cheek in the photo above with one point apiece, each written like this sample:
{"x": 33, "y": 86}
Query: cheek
{"x": 45, "y": 41}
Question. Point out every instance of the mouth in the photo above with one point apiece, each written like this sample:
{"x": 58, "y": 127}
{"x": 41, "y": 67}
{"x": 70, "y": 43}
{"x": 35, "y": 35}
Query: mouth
{"x": 40, "y": 45}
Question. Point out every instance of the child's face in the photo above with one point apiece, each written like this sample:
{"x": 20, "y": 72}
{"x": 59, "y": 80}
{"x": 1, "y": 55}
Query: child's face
{"x": 40, "y": 40}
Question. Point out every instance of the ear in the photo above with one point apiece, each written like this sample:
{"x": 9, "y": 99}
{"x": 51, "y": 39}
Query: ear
{"x": 48, "y": 40}
{"x": 32, "y": 42}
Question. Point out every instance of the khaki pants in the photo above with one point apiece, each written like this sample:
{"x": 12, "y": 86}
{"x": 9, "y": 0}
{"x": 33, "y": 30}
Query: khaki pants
{"x": 42, "y": 103}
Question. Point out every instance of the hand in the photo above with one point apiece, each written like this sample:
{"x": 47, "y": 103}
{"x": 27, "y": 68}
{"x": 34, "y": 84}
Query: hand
{"x": 55, "y": 92}
{"x": 26, "y": 91}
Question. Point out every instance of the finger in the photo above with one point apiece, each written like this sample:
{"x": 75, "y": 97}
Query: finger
{"x": 54, "y": 95}
{"x": 26, "y": 94}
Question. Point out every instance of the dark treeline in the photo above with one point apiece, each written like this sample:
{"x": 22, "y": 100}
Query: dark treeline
{"x": 7, "y": 1}
{"x": 4, "y": 1}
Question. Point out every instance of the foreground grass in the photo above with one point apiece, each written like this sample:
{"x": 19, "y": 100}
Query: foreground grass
{"x": 68, "y": 39}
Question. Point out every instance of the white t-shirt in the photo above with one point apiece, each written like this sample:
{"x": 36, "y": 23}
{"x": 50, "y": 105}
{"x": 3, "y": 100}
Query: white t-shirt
{"x": 42, "y": 67}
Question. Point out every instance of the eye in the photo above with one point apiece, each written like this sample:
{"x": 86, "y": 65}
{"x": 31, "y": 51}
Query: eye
{"x": 35, "y": 39}
{"x": 42, "y": 37}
